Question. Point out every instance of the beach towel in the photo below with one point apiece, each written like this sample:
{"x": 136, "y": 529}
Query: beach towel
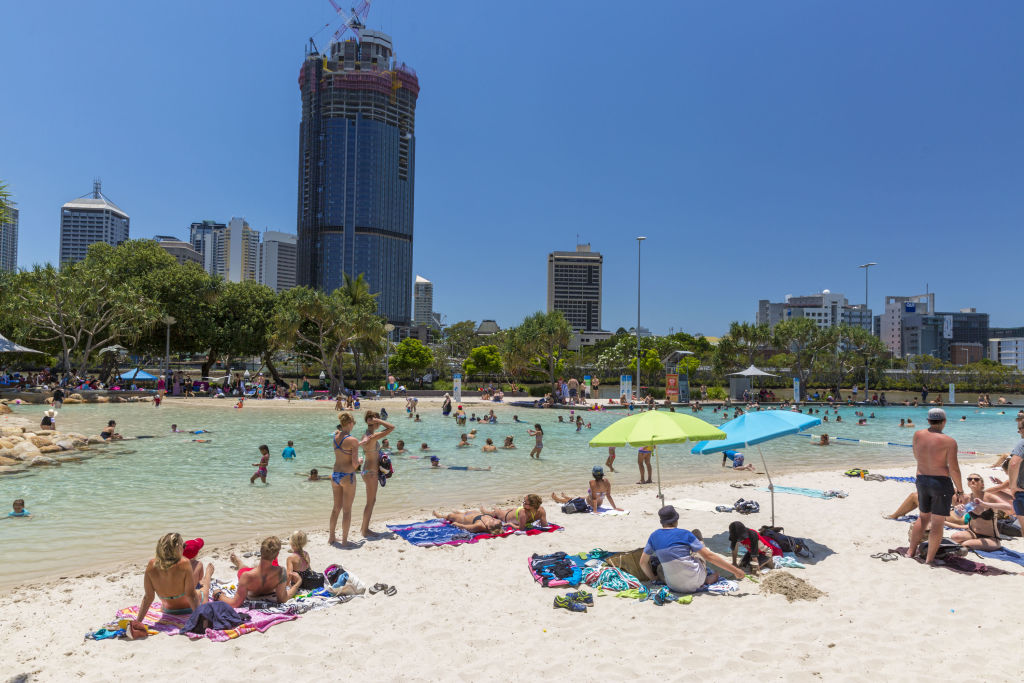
{"x": 1003, "y": 554}
{"x": 612, "y": 578}
{"x": 692, "y": 504}
{"x": 173, "y": 623}
{"x": 609, "y": 512}
{"x": 434, "y": 532}
{"x": 556, "y": 569}
{"x": 810, "y": 493}
{"x": 960, "y": 565}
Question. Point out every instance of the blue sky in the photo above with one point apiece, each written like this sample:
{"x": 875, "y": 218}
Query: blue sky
{"x": 764, "y": 148}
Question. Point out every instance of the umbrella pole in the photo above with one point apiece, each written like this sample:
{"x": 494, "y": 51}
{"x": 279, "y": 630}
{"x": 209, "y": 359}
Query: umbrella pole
{"x": 657, "y": 464}
{"x": 771, "y": 487}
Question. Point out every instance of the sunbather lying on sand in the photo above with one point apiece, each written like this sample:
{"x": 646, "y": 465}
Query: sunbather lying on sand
{"x": 529, "y": 512}
{"x": 472, "y": 521}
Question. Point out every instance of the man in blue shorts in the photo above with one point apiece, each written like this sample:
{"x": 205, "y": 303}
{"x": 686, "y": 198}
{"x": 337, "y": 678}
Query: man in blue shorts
{"x": 1016, "y": 472}
{"x": 683, "y": 556}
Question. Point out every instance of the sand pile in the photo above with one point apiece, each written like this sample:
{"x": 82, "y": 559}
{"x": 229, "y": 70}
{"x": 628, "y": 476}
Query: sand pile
{"x": 793, "y": 588}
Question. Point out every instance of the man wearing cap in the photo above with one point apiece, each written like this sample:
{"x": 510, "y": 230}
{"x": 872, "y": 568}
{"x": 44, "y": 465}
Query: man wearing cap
{"x": 937, "y": 471}
{"x": 682, "y": 555}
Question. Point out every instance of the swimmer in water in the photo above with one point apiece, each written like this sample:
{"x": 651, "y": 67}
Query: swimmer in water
{"x": 508, "y": 445}
{"x": 400, "y": 448}
{"x": 435, "y": 464}
{"x": 424, "y": 447}
{"x": 463, "y": 441}
{"x": 489, "y": 447}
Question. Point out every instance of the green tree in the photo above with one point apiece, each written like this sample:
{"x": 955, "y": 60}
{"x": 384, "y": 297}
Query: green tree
{"x": 515, "y": 353}
{"x": 5, "y": 202}
{"x": 749, "y": 338}
{"x": 412, "y": 356}
{"x": 370, "y": 338}
{"x": 650, "y": 364}
{"x": 547, "y": 335}
{"x": 483, "y": 360}
{"x": 803, "y": 339}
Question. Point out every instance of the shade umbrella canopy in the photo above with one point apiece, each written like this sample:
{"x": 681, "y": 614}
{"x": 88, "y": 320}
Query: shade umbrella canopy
{"x": 136, "y": 374}
{"x": 7, "y": 346}
{"x": 753, "y": 428}
{"x": 652, "y": 428}
{"x": 753, "y": 371}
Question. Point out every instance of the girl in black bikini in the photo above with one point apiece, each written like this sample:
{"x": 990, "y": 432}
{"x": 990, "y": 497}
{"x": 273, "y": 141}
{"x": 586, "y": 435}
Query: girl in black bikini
{"x": 343, "y": 479}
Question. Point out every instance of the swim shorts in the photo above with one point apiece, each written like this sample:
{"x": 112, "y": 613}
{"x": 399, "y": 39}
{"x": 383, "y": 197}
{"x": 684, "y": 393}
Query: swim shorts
{"x": 934, "y": 494}
{"x": 1018, "y": 503}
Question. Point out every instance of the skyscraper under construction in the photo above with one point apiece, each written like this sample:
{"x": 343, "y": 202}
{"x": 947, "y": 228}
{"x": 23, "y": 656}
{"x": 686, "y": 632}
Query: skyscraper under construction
{"x": 357, "y": 160}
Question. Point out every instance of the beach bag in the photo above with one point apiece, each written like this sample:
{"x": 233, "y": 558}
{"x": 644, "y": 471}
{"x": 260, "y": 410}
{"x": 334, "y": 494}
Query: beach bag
{"x": 628, "y": 561}
{"x": 575, "y": 505}
{"x": 947, "y": 549}
{"x": 1008, "y": 527}
{"x": 785, "y": 543}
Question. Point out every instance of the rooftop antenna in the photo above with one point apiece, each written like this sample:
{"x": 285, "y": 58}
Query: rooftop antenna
{"x": 97, "y": 185}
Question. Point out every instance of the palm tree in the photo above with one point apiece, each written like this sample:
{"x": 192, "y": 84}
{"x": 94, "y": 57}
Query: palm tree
{"x": 370, "y": 329}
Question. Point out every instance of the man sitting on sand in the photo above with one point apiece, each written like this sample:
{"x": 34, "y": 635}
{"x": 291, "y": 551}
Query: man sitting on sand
{"x": 530, "y": 512}
{"x": 598, "y": 489}
{"x": 682, "y": 555}
{"x": 470, "y": 521}
{"x": 265, "y": 580}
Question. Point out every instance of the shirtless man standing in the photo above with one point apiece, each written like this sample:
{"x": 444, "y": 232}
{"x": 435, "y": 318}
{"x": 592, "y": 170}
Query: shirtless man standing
{"x": 937, "y": 470}
{"x": 371, "y": 465}
{"x": 343, "y": 479}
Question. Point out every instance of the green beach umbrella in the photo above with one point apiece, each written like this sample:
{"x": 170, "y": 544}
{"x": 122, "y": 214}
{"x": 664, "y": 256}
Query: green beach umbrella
{"x": 654, "y": 427}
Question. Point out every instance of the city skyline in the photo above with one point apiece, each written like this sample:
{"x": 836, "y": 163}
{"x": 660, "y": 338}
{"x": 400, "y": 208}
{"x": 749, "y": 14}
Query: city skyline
{"x": 802, "y": 142}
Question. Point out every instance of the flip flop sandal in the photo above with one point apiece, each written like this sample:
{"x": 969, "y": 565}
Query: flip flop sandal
{"x": 377, "y": 588}
{"x": 390, "y": 591}
{"x": 886, "y": 557}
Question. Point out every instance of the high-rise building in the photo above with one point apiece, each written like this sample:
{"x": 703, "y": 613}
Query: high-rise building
{"x": 574, "y": 286}
{"x": 90, "y": 219}
{"x": 357, "y": 160}
{"x": 206, "y": 237}
{"x": 423, "y": 302}
{"x": 182, "y": 251}
{"x": 1008, "y": 350}
{"x": 9, "y": 240}
{"x": 243, "y": 251}
{"x": 901, "y": 317}
{"x": 827, "y": 309}
{"x": 277, "y": 260}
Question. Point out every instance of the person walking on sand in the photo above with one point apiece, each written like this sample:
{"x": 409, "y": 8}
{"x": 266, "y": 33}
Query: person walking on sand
{"x": 343, "y": 479}
{"x": 537, "y": 433}
{"x": 371, "y": 465}
{"x": 937, "y": 470}
{"x": 261, "y": 471}
{"x": 643, "y": 457}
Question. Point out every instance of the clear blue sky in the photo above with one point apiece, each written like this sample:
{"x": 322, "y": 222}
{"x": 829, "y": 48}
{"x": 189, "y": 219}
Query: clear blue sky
{"x": 764, "y": 148}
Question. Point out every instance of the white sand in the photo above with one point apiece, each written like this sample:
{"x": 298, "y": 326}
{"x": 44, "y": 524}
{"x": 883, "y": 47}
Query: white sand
{"x": 473, "y": 612}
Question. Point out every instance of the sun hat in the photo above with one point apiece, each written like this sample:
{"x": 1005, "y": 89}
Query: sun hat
{"x": 192, "y": 548}
{"x": 50, "y": 412}
{"x": 597, "y": 469}
{"x": 668, "y": 515}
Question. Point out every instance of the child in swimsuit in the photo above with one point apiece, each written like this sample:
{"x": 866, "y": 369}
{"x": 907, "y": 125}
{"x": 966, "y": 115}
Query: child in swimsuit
{"x": 261, "y": 466}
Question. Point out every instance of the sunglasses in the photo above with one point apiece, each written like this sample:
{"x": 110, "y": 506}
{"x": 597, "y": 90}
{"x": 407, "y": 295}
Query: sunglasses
{"x": 973, "y": 478}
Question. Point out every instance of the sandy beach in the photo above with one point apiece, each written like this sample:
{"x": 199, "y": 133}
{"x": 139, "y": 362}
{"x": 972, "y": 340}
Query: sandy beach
{"x": 474, "y": 612}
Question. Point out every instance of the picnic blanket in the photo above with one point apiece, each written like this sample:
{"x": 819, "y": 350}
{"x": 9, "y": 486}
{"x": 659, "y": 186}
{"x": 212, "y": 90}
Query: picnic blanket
{"x": 1003, "y": 554}
{"x": 960, "y": 565}
{"x": 442, "y": 532}
{"x": 171, "y": 624}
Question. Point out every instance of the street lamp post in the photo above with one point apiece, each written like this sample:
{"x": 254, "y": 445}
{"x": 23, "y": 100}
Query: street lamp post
{"x": 866, "y": 267}
{"x": 389, "y": 328}
{"x": 639, "y": 240}
{"x": 168, "y": 320}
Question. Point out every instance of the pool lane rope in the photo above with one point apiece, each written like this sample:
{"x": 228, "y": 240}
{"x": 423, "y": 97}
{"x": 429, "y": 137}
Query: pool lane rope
{"x": 887, "y": 443}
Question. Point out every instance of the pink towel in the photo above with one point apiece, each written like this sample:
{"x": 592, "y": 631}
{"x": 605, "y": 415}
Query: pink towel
{"x": 173, "y": 623}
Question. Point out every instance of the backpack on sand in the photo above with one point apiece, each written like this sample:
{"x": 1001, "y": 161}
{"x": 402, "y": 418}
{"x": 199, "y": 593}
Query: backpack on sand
{"x": 787, "y": 544}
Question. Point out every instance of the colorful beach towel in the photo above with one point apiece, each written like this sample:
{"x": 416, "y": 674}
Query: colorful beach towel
{"x": 171, "y": 624}
{"x": 1004, "y": 554}
{"x": 442, "y": 532}
{"x": 960, "y": 565}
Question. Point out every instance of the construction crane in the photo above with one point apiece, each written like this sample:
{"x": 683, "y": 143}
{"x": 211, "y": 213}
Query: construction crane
{"x": 355, "y": 19}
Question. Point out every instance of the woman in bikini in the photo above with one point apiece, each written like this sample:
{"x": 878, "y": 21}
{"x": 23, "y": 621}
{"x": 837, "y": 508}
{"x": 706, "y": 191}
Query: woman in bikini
{"x": 523, "y": 516}
{"x": 299, "y": 570}
{"x": 371, "y": 465}
{"x": 343, "y": 479}
{"x": 599, "y": 489}
{"x": 478, "y": 523}
{"x": 981, "y": 527}
{"x": 169, "y": 577}
{"x": 538, "y": 433}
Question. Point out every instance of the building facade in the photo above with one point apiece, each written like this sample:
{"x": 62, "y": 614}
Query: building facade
{"x": 827, "y": 309}
{"x": 357, "y": 160}
{"x": 277, "y": 260}
{"x": 88, "y": 220}
{"x": 206, "y": 238}
{"x": 1008, "y": 350}
{"x": 903, "y": 313}
{"x": 574, "y": 286}
{"x": 181, "y": 251}
{"x": 9, "y": 240}
{"x": 243, "y": 251}
{"x": 423, "y": 302}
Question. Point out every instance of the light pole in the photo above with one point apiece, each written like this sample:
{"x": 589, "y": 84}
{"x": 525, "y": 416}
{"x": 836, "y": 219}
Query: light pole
{"x": 866, "y": 267}
{"x": 389, "y": 328}
{"x": 639, "y": 240}
{"x": 168, "y": 320}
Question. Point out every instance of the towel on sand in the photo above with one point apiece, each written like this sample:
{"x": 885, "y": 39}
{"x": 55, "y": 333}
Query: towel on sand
{"x": 173, "y": 623}
{"x": 960, "y": 565}
{"x": 692, "y": 504}
{"x": 1003, "y": 554}
{"x": 442, "y": 532}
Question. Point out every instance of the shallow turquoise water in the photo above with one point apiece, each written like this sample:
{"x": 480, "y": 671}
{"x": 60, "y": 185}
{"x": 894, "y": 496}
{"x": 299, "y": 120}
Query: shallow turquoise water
{"x": 114, "y": 506}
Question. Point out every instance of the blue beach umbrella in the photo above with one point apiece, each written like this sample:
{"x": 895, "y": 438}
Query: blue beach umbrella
{"x": 754, "y": 428}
